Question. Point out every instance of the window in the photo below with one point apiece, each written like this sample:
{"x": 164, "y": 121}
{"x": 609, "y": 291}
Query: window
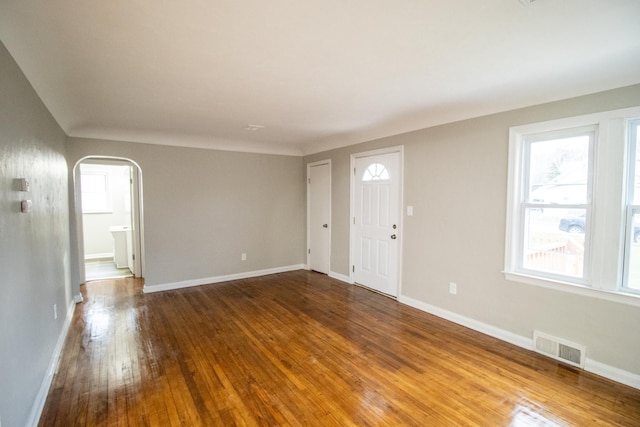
{"x": 573, "y": 218}
{"x": 94, "y": 184}
{"x": 556, "y": 204}
{"x": 376, "y": 172}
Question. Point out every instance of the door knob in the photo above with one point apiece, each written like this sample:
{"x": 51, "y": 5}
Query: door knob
{"x": 393, "y": 237}
{"x": 325, "y": 225}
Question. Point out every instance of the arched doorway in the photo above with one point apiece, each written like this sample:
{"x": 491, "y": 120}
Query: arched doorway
{"x": 108, "y": 197}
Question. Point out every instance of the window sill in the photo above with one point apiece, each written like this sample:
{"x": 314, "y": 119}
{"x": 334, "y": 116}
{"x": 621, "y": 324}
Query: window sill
{"x": 603, "y": 294}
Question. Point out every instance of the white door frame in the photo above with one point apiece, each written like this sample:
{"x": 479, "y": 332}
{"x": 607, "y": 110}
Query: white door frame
{"x": 395, "y": 149}
{"x": 309, "y": 166}
{"x": 137, "y": 211}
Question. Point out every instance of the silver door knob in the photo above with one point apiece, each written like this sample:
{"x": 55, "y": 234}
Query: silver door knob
{"x": 325, "y": 225}
{"x": 393, "y": 237}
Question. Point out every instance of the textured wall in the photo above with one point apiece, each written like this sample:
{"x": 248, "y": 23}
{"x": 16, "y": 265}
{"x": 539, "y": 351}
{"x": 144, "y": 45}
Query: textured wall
{"x": 34, "y": 247}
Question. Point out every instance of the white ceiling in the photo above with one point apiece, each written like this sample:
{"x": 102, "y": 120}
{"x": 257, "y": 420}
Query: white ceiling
{"x": 316, "y": 74}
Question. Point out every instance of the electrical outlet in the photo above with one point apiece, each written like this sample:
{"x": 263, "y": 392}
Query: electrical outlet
{"x": 55, "y": 313}
{"x": 453, "y": 288}
{"x": 243, "y": 257}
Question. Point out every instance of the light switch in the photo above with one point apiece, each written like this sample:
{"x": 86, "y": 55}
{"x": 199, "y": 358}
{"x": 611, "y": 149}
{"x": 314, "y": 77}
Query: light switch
{"x": 409, "y": 210}
{"x": 25, "y": 206}
{"x": 23, "y": 184}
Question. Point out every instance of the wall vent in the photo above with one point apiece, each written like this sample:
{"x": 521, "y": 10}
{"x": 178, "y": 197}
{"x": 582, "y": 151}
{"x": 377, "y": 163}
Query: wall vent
{"x": 559, "y": 349}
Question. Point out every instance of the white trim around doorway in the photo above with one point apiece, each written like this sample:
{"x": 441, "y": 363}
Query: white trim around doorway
{"x": 388, "y": 150}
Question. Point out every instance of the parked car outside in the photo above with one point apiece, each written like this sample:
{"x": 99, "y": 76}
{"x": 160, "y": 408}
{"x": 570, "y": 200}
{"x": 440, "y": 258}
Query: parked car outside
{"x": 576, "y": 224}
{"x": 572, "y": 224}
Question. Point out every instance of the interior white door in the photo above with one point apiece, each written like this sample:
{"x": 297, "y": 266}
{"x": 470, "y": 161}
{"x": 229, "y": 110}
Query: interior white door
{"x": 320, "y": 217}
{"x": 376, "y": 222}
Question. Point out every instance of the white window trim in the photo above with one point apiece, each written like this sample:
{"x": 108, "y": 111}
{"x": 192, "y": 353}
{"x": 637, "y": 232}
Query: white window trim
{"x": 630, "y": 207}
{"x": 603, "y": 279}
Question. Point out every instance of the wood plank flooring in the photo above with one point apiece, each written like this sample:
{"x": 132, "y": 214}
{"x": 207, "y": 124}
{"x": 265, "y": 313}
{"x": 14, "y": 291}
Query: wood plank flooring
{"x": 302, "y": 349}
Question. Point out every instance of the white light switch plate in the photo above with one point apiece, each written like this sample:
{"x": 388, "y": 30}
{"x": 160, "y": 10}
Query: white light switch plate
{"x": 25, "y": 206}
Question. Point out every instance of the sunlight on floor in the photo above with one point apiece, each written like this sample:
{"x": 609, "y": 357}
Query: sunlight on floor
{"x": 96, "y": 270}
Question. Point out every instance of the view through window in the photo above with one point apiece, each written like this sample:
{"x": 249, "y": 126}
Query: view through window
{"x": 556, "y": 205}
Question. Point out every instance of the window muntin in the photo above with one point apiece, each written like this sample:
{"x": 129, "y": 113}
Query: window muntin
{"x": 555, "y": 205}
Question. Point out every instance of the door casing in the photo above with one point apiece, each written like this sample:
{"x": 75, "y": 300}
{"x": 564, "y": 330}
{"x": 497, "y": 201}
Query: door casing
{"x": 352, "y": 226}
{"x": 137, "y": 208}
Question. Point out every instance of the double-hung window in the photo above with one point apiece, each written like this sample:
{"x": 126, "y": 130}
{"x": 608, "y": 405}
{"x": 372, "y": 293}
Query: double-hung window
{"x": 573, "y": 214}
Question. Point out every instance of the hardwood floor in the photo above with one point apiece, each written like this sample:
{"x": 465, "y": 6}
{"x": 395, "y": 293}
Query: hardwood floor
{"x": 302, "y": 349}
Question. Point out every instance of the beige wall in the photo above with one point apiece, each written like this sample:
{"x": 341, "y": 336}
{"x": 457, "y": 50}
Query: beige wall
{"x": 203, "y": 208}
{"x": 456, "y": 179}
{"x": 34, "y": 247}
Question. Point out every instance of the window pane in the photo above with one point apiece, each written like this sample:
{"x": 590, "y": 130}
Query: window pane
{"x": 95, "y": 194}
{"x": 375, "y": 172}
{"x": 633, "y": 281}
{"x": 554, "y": 241}
{"x": 559, "y": 170}
{"x": 635, "y": 134}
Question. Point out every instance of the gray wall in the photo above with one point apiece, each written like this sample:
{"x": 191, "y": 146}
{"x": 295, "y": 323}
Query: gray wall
{"x": 34, "y": 247}
{"x": 203, "y": 208}
{"x": 456, "y": 179}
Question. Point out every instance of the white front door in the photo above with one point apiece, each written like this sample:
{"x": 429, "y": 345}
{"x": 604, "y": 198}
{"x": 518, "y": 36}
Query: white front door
{"x": 376, "y": 221}
{"x": 319, "y": 220}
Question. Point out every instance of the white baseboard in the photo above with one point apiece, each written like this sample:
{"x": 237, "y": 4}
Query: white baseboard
{"x": 340, "y": 277}
{"x": 612, "y": 373}
{"x": 485, "y": 328}
{"x": 93, "y": 257}
{"x": 598, "y": 368}
{"x": 41, "y": 397}
{"x": 217, "y": 279}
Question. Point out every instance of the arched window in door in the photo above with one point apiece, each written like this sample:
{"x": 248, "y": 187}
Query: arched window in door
{"x": 375, "y": 172}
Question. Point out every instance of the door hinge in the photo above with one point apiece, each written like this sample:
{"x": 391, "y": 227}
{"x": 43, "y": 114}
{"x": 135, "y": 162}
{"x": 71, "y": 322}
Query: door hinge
{"x": 353, "y": 268}
{"x": 309, "y": 252}
{"x": 130, "y": 181}
{"x": 133, "y": 257}
{"x": 354, "y": 171}
{"x": 309, "y": 181}
{"x": 354, "y": 220}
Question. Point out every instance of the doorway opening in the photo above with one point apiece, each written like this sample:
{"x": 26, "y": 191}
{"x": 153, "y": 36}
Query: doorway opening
{"x": 109, "y": 211}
